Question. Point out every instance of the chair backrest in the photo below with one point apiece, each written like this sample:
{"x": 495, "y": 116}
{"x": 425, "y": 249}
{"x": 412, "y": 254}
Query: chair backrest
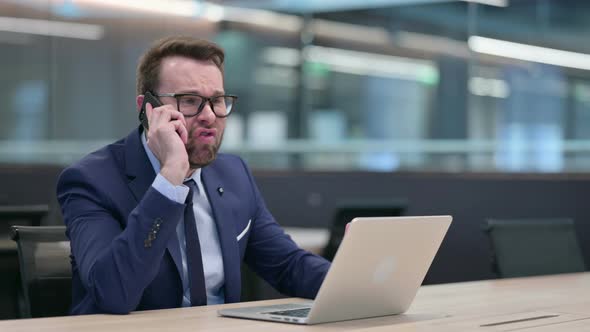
{"x": 31, "y": 215}
{"x": 346, "y": 211}
{"x": 527, "y": 247}
{"x": 46, "y": 277}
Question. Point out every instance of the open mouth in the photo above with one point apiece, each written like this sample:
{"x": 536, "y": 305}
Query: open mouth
{"x": 206, "y": 134}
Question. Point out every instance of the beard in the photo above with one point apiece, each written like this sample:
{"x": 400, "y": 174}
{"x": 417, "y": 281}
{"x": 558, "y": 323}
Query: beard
{"x": 201, "y": 155}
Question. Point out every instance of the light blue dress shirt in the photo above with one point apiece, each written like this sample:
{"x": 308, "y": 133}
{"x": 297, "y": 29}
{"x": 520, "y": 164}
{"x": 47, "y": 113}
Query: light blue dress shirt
{"x": 208, "y": 236}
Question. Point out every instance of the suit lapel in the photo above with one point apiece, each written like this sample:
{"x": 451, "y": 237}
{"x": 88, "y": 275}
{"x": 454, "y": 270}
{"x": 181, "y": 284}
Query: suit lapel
{"x": 212, "y": 180}
{"x": 141, "y": 175}
{"x": 138, "y": 168}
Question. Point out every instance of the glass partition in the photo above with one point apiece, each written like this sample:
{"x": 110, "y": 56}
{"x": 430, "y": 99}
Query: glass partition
{"x": 476, "y": 86}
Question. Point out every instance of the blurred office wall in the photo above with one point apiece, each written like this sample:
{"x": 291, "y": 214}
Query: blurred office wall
{"x": 350, "y": 85}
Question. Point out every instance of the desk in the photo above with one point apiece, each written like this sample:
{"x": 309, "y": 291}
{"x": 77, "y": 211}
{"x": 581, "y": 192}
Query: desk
{"x": 564, "y": 300}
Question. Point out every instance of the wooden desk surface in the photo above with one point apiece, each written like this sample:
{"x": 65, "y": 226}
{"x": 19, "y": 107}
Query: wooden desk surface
{"x": 549, "y": 303}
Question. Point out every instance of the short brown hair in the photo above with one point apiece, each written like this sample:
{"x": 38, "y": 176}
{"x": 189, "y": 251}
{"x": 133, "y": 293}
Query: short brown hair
{"x": 148, "y": 70}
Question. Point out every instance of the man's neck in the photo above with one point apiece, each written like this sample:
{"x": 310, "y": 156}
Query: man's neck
{"x": 190, "y": 172}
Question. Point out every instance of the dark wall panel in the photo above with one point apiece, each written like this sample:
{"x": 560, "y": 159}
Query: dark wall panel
{"x": 309, "y": 199}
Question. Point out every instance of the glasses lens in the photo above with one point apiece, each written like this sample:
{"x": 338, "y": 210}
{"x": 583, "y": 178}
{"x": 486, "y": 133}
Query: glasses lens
{"x": 228, "y": 104}
{"x": 222, "y": 105}
{"x": 189, "y": 105}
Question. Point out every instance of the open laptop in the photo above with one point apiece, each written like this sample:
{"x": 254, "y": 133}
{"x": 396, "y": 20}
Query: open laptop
{"x": 377, "y": 271}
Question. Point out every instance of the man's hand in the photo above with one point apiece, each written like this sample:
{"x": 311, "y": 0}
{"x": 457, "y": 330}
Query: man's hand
{"x": 166, "y": 138}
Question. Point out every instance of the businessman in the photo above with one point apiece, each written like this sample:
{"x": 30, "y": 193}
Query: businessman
{"x": 159, "y": 219}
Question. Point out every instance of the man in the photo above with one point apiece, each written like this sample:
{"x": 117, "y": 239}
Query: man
{"x": 131, "y": 207}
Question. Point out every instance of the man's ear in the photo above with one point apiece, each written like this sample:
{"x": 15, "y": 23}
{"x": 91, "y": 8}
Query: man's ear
{"x": 139, "y": 102}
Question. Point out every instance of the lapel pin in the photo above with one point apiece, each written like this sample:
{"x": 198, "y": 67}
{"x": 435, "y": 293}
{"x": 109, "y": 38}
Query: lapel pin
{"x": 220, "y": 191}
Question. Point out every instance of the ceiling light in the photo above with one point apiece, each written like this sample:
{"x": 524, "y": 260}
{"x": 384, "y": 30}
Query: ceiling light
{"x": 497, "y": 3}
{"x": 51, "y": 28}
{"x": 531, "y": 53}
{"x": 172, "y": 7}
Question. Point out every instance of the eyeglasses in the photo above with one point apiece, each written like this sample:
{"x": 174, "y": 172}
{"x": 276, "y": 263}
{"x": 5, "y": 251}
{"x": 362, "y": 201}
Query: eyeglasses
{"x": 191, "y": 104}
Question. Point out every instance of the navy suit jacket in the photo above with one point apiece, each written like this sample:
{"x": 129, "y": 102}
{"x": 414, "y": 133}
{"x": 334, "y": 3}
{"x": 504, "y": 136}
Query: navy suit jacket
{"x": 109, "y": 208}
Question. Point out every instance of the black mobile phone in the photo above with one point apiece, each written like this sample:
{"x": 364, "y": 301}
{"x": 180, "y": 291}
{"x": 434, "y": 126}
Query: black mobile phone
{"x": 148, "y": 97}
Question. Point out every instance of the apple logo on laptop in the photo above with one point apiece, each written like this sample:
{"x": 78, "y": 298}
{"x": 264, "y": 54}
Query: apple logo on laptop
{"x": 384, "y": 269}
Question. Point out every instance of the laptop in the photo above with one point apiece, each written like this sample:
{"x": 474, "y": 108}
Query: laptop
{"x": 377, "y": 271}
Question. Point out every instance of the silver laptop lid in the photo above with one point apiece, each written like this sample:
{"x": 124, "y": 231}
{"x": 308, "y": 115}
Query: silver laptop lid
{"x": 377, "y": 271}
{"x": 378, "y": 267}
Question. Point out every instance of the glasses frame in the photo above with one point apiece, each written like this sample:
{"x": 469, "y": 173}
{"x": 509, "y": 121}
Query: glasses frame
{"x": 209, "y": 100}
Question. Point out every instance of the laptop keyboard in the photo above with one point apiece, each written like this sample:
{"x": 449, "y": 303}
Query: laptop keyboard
{"x": 303, "y": 312}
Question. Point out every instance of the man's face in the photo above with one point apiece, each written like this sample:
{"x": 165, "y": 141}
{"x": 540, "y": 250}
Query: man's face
{"x": 205, "y": 131}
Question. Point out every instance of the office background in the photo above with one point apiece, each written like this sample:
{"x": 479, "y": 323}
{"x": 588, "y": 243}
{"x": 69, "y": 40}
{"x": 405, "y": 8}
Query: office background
{"x": 478, "y": 109}
{"x": 323, "y": 85}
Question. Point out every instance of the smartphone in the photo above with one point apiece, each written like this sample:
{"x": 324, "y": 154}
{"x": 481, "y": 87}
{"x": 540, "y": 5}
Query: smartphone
{"x": 148, "y": 97}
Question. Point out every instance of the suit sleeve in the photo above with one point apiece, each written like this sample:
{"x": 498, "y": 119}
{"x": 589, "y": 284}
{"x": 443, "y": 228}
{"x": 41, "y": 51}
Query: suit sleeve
{"x": 274, "y": 256}
{"x": 115, "y": 262}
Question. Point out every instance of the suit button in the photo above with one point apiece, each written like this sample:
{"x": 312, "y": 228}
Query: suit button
{"x": 152, "y": 234}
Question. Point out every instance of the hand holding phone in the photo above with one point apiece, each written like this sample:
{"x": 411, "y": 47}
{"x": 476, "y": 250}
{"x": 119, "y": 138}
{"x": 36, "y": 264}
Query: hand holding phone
{"x": 166, "y": 137}
{"x": 148, "y": 97}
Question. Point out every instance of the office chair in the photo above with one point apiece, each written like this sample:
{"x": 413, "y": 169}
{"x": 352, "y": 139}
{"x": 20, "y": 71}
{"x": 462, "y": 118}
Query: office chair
{"x": 46, "y": 277}
{"x": 30, "y": 214}
{"x": 346, "y": 211}
{"x": 534, "y": 247}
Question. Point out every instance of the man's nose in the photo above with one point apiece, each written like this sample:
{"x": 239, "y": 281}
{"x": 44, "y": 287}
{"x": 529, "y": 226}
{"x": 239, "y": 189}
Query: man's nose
{"x": 207, "y": 115}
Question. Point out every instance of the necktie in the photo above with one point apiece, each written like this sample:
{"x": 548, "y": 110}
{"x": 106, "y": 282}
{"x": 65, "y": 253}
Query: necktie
{"x": 196, "y": 276}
